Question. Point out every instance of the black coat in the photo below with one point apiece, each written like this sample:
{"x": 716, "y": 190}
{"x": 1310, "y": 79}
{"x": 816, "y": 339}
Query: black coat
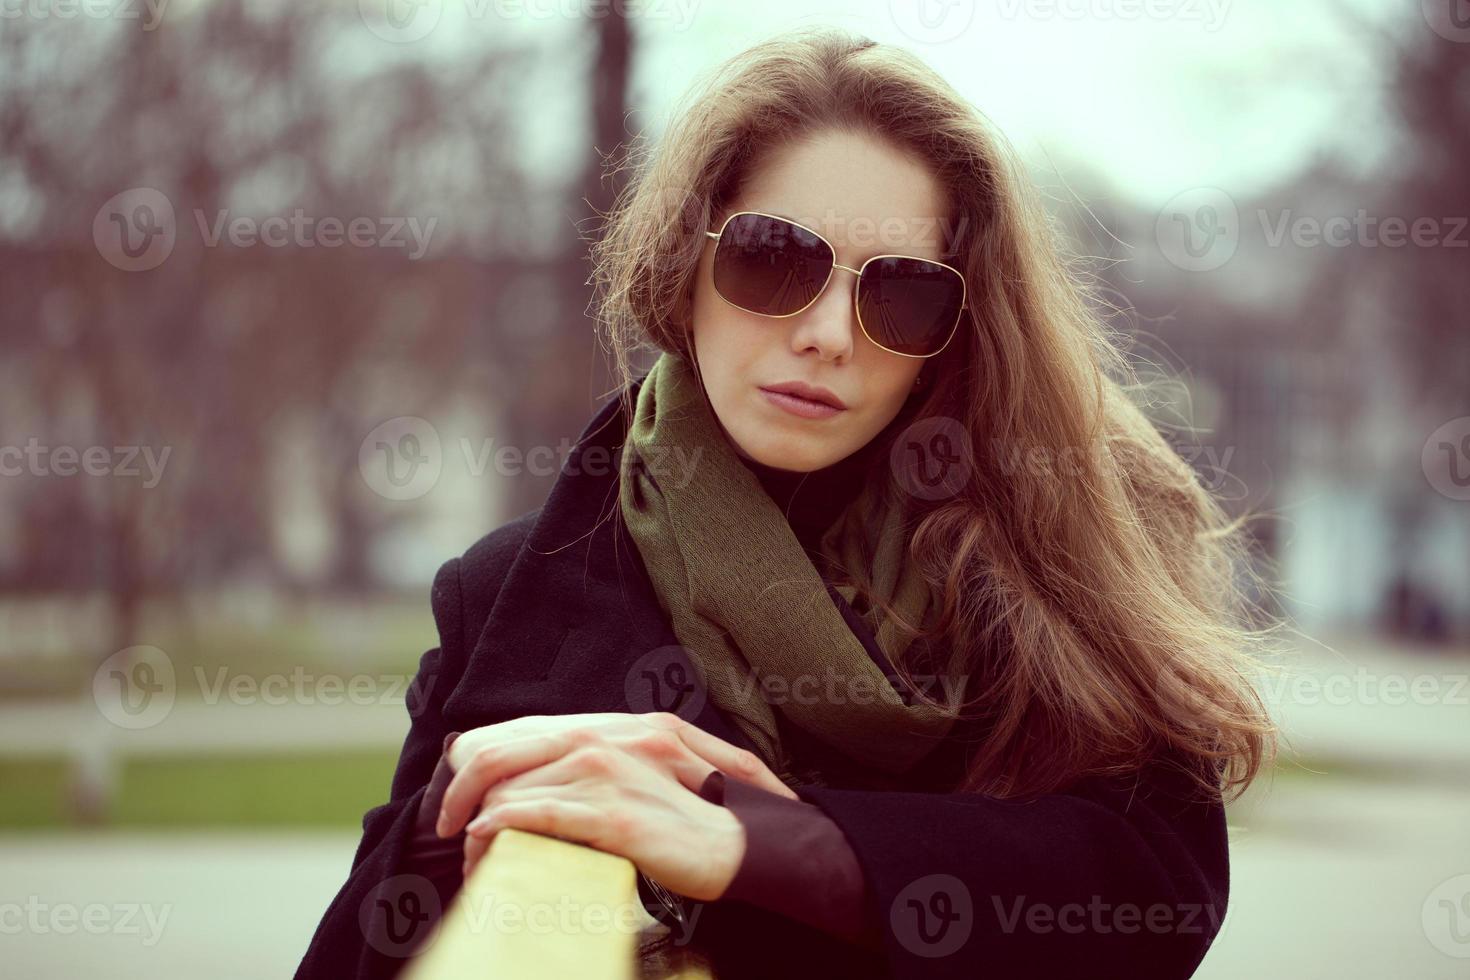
{"x": 553, "y": 613}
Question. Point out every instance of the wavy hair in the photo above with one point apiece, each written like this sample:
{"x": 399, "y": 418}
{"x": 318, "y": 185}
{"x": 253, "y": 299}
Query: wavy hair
{"x": 1097, "y": 597}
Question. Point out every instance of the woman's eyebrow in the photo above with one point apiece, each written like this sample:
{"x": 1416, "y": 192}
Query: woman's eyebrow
{"x": 794, "y": 221}
{"x": 912, "y": 253}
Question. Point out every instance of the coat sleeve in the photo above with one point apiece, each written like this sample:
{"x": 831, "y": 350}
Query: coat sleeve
{"x": 395, "y": 890}
{"x": 797, "y": 863}
{"x": 380, "y": 914}
{"x": 1122, "y": 878}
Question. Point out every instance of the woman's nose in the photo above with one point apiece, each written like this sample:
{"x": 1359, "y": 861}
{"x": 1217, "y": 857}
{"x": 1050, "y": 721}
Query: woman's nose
{"x": 830, "y": 324}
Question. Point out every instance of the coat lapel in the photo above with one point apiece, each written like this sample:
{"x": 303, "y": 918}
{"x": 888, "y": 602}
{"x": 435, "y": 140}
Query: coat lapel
{"x": 577, "y": 626}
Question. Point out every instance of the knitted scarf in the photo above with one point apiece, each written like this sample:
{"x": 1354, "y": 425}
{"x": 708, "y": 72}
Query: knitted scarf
{"x": 745, "y": 600}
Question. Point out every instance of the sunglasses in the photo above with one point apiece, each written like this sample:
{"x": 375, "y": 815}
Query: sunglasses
{"x": 768, "y": 265}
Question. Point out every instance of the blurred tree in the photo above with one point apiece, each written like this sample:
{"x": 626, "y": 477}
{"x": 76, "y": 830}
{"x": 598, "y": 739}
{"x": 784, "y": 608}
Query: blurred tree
{"x": 234, "y": 110}
{"x": 570, "y": 375}
{"x": 1430, "y": 96}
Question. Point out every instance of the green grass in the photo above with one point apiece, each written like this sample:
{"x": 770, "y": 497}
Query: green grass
{"x": 305, "y": 790}
{"x": 356, "y": 636}
{"x": 310, "y": 790}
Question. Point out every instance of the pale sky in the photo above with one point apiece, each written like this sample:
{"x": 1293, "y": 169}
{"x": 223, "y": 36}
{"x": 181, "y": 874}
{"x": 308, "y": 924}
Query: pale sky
{"x": 1223, "y": 93}
{"x": 1153, "y": 99}
{"x": 1235, "y": 94}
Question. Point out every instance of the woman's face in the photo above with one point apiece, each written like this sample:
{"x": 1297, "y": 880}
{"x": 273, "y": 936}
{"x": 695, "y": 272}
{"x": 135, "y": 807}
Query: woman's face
{"x": 867, "y": 198}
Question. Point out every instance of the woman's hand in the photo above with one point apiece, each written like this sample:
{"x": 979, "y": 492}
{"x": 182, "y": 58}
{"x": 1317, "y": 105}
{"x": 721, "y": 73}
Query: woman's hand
{"x": 622, "y": 783}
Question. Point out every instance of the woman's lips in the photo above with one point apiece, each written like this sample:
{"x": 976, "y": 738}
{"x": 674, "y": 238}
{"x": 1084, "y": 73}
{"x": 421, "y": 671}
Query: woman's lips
{"x": 801, "y": 407}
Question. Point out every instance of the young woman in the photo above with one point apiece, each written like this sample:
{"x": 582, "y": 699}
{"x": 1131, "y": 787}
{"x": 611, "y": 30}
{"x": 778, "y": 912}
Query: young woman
{"x": 874, "y": 620}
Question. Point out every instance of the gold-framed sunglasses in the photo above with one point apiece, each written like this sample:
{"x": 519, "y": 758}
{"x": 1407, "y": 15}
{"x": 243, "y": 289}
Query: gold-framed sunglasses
{"x": 773, "y": 266}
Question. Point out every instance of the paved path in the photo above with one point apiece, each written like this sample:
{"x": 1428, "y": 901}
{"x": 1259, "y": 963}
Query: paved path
{"x": 1366, "y": 702}
{"x": 1330, "y": 879}
{"x": 1352, "y": 874}
{"x": 174, "y": 905}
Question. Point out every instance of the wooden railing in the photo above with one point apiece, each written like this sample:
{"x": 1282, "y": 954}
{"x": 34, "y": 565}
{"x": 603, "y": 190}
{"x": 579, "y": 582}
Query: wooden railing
{"x": 537, "y": 907}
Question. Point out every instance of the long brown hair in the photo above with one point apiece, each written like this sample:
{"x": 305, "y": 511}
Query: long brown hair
{"x": 1095, "y": 598}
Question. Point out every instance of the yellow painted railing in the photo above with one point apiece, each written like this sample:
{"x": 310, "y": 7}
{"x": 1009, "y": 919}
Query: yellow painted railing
{"x": 537, "y": 907}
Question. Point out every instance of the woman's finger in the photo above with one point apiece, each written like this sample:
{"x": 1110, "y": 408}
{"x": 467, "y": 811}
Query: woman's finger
{"x": 572, "y": 820}
{"x": 740, "y": 763}
{"x": 477, "y": 838}
{"x": 474, "y": 849}
{"x": 488, "y": 766}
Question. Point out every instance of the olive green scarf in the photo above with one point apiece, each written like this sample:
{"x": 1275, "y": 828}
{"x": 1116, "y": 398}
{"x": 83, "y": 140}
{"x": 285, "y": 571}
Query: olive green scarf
{"x": 745, "y": 600}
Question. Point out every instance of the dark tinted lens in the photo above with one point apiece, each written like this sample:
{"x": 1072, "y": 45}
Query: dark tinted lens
{"x": 909, "y": 305}
{"x": 768, "y": 265}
